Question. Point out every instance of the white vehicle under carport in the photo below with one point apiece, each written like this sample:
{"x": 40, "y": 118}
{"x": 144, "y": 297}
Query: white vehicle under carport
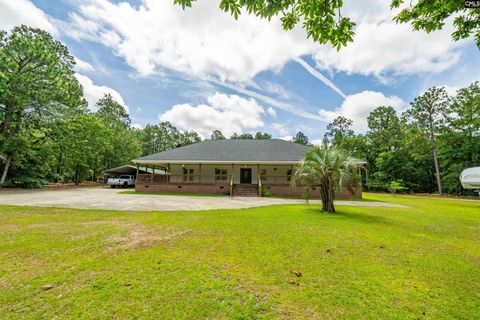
{"x": 122, "y": 181}
{"x": 470, "y": 179}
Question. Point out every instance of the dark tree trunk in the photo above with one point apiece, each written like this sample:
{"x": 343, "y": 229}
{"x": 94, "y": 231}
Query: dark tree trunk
{"x": 4, "y": 126}
{"x": 77, "y": 176}
{"x": 435, "y": 160}
{"x": 437, "y": 171}
{"x": 8, "y": 160}
{"x": 433, "y": 140}
{"x": 59, "y": 166}
{"x": 6, "y": 119}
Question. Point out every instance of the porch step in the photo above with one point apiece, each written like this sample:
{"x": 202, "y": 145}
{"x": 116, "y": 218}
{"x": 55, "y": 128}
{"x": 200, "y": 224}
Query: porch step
{"x": 245, "y": 190}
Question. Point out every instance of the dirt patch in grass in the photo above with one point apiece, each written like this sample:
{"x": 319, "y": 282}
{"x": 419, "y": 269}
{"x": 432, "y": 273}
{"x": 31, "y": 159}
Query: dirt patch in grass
{"x": 134, "y": 237}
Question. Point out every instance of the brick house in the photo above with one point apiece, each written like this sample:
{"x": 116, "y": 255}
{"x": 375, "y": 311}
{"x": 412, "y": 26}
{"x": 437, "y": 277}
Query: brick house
{"x": 236, "y": 167}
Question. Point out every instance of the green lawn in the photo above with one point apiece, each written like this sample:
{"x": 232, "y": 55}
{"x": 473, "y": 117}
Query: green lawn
{"x": 421, "y": 262}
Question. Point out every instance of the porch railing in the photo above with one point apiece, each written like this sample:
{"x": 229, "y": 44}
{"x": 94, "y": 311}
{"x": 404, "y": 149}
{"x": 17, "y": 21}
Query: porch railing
{"x": 283, "y": 180}
{"x": 263, "y": 181}
{"x": 184, "y": 179}
{"x": 259, "y": 186}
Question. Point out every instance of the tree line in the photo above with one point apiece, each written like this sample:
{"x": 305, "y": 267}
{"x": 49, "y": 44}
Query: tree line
{"x": 424, "y": 149}
{"x": 48, "y": 133}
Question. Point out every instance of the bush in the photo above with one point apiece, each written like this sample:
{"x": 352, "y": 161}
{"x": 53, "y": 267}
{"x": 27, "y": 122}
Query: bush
{"x": 26, "y": 182}
{"x": 394, "y": 186}
{"x": 266, "y": 192}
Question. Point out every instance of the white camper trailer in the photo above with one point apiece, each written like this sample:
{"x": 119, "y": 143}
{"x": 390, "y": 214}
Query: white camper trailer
{"x": 470, "y": 178}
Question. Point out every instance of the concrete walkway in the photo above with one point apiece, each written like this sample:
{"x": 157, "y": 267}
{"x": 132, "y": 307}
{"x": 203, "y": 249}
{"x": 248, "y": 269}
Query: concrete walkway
{"x": 111, "y": 199}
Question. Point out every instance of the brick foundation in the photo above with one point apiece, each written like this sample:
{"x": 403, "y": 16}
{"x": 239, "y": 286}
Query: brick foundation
{"x": 182, "y": 188}
{"x": 275, "y": 190}
{"x": 288, "y": 191}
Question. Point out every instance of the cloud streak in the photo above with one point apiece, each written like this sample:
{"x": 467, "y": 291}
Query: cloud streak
{"x": 319, "y": 76}
{"x": 270, "y": 101}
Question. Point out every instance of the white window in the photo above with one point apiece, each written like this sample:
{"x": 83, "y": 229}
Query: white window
{"x": 220, "y": 174}
{"x": 188, "y": 174}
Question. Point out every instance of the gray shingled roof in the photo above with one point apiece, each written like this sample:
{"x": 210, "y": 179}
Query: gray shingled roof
{"x": 232, "y": 151}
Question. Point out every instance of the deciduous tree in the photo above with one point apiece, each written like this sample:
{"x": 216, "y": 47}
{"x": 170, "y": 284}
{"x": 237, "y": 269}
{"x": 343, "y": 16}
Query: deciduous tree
{"x": 301, "y": 138}
{"x": 428, "y": 112}
{"x": 37, "y": 77}
{"x": 431, "y": 15}
{"x": 124, "y": 141}
{"x": 338, "y": 131}
{"x": 322, "y": 19}
{"x": 262, "y": 135}
{"x": 324, "y": 22}
{"x": 217, "y": 135}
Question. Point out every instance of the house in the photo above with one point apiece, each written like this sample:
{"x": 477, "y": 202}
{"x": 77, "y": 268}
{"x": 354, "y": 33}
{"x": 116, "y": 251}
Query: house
{"x": 236, "y": 167}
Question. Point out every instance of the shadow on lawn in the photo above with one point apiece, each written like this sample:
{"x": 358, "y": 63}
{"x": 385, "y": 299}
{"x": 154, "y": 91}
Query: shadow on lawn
{"x": 350, "y": 215}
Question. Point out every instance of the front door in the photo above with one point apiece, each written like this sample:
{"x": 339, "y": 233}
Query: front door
{"x": 246, "y": 175}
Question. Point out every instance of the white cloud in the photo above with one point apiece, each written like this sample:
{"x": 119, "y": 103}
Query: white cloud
{"x": 83, "y": 66}
{"x": 317, "y": 142}
{"x": 280, "y": 128}
{"x": 205, "y": 42}
{"x": 381, "y": 45}
{"x": 137, "y": 126}
{"x": 202, "y": 40}
{"x": 276, "y": 89}
{"x": 14, "y": 13}
{"x": 452, "y": 90}
{"x": 289, "y": 107}
{"x": 319, "y": 76}
{"x": 93, "y": 92}
{"x": 358, "y": 106}
{"x": 287, "y": 138}
{"x": 272, "y": 112}
{"x": 227, "y": 113}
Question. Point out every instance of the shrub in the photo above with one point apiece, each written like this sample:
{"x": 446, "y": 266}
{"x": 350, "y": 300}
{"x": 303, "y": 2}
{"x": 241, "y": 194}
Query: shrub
{"x": 266, "y": 192}
{"x": 26, "y": 182}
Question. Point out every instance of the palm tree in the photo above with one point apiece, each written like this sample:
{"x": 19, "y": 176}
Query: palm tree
{"x": 329, "y": 168}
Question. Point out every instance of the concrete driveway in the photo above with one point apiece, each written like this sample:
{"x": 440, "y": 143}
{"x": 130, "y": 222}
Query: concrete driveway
{"x": 111, "y": 199}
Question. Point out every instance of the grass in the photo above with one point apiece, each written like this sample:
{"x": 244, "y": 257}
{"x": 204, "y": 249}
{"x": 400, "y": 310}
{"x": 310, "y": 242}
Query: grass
{"x": 186, "y": 194}
{"x": 422, "y": 262}
{"x": 183, "y": 194}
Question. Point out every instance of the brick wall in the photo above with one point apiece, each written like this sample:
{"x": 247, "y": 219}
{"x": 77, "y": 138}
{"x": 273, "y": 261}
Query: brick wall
{"x": 284, "y": 191}
{"x": 287, "y": 191}
{"x": 182, "y": 188}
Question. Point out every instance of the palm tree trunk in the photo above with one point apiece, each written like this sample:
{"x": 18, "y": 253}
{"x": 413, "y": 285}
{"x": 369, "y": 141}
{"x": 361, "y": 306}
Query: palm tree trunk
{"x": 328, "y": 195}
{"x": 331, "y": 197}
{"x": 324, "y": 196}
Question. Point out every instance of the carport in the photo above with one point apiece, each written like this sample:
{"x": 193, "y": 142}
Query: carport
{"x": 126, "y": 169}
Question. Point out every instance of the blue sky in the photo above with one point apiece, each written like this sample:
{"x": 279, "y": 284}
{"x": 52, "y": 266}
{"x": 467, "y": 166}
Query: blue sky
{"x": 202, "y": 70}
